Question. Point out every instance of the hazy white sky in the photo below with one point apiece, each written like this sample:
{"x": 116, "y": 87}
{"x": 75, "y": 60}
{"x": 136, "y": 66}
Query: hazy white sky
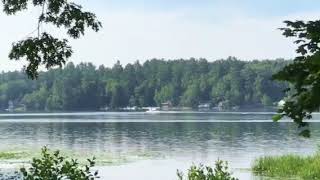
{"x": 141, "y": 29}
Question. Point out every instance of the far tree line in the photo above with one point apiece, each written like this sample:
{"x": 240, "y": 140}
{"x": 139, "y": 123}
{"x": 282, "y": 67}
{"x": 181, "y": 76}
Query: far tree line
{"x": 185, "y": 83}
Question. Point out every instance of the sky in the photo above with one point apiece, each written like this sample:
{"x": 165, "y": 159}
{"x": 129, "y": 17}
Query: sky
{"x": 171, "y": 29}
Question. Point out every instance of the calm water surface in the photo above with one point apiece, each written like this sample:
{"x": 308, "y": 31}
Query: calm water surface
{"x": 178, "y": 139}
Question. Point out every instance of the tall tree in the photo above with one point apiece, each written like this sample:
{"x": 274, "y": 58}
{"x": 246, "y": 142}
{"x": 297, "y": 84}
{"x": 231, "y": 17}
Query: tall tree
{"x": 183, "y": 82}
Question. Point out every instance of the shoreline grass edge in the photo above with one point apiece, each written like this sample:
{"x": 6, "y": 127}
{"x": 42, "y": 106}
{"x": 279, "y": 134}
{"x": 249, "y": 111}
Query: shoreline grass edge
{"x": 289, "y": 166}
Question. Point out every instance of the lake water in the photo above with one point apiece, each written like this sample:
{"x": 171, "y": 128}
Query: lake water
{"x": 172, "y": 140}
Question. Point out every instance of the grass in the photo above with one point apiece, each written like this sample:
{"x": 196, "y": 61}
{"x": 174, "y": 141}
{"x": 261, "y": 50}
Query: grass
{"x": 9, "y": 155}
{"x": 289, "y": 167}
{"x": 103, "y": 158}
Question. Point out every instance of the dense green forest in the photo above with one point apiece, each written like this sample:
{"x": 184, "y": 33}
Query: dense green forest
{"x": 184, "y": 83}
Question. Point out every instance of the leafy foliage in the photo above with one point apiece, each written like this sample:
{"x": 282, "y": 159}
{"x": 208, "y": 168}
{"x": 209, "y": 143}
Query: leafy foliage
{"x": 45, "y": 49}
{"x": 182, "y": 82}
{"x": 303, "y": 73}
{"x": 220, "y": 172}
{"x": 53, "y": 166}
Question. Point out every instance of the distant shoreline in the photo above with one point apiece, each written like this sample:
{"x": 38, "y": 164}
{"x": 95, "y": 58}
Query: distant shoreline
{"x": 144, "y": 109}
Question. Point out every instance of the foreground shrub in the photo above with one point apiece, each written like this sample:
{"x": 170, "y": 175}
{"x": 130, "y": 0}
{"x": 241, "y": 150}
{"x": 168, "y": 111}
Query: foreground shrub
{"x": 220, "y": 172}
{"x": 289, "y": 166}
{"x": 53, "y": 166}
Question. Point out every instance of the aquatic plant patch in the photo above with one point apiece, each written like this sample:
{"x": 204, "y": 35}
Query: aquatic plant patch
{"x": 103, "y": 158}
{"x": 288, "y": 166}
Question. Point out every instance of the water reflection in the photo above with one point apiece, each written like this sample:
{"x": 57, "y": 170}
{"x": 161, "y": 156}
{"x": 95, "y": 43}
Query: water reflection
{"x": 167, "y": 138}
{"x": 239, "y": 141}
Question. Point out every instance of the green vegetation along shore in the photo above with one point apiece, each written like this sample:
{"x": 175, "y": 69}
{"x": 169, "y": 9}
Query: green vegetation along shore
{"x": 103, "y": 158}
{"x": 183, "y": 83}
{"x": 289, "y": 166}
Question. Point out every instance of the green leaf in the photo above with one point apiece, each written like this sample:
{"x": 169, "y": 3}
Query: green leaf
{"x": 277, "y": 117}
{"x": 305, "y": 133}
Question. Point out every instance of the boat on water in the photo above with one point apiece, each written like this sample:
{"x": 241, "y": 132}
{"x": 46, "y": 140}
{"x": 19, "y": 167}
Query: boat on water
{"x": 153, "y": 110}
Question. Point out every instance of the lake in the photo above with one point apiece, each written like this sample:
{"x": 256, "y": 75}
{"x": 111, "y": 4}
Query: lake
{"x": 154, "y": 146}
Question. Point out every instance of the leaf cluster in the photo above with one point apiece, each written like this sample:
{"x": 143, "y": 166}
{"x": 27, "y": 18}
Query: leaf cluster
{"x": 46, "y": 49}
{"x": 303, "y": 74}
{"x": 220, "y": 172}
{"x": 53, "y": 166}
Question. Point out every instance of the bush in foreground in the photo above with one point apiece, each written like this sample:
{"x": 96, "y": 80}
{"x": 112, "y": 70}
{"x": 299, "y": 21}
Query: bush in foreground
{"x": 289, "y": 166}
{"x": 220, "y": 172}
{"x": 53, "y": 166}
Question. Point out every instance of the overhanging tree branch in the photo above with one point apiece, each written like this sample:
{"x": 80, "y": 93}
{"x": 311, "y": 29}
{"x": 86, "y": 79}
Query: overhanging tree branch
{"x": 45, "y": 49}
{"x": 303, "y": 74}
